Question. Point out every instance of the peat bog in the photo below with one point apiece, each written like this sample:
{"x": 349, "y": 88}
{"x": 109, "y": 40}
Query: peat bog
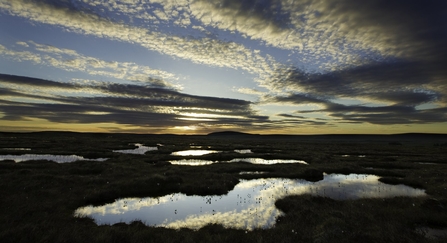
{"x": 40, "y": 197}
{"x": 250, "y": 205}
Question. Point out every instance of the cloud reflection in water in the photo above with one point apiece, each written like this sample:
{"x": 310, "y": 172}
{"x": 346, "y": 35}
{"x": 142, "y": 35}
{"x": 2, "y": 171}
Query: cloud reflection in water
{"x": 140, "y": 150}
{"x": 50, "y": 157}
{"x": 193, "y": 152}
{"x": 243, "y": 151}
{"x": 251, "y": 204}
{"x": 191, "y": 162}
{"x": 260, "y": 161}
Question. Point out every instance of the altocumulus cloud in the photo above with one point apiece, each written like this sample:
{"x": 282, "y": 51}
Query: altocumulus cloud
{"x": 200, "y": 50}
{"x": 70, "y": 60}
{"x": 408, "y": 70}
{"x": 125, "y": 104}
{"x": 389, "y": 56}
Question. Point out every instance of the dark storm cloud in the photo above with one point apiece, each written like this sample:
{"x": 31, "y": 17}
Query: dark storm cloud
{"x": 116, "y": 103}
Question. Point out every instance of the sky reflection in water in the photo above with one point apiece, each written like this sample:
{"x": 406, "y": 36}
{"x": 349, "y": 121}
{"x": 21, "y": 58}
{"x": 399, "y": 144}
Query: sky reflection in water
{"x": 55, "y": 158}
{"x": 20, "y": 149}
{"x": 140, "y": 150}
{"x": 259, "y": 161}
{"x": 192, "y": 162}
{"x": 251, "y": 204}
{"x": 243, "y": 151}
{"x": 194, "y": 152}
{"x": 252, "y": 172}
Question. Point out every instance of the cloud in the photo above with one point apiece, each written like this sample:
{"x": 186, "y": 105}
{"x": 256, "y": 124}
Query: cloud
{"x": 402, "y": 29}
{"x": 70, "y": 60}
{"x": 332, "y": 34}
{"x": 126, "y": 104}
{"x": 337, "y": 35}
{"x": 293, "y": 120}
{"x": 390, "y": 56}
{"x": 200, "y": 50}
{"x": 294, "y": 98}
{"x": 249, "y": 91}
{"x": 399, "y": 82}
{"x": 410, "y": 71}
{"x": 263, "y": 20}
{"x": 22, "y": 43}
{"x": 402, "y": 111}
{"x": 173, "y": 11}
{"x": 322, "y": 34}
{"x": 19, "y": 81}
{"x": 406, "y": 97}
{"x": 378, "y": 76}
{"x": 382, "y": 115}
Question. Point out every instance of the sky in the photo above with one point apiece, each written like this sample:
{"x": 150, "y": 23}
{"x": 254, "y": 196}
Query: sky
{"x": 201, "y": 66}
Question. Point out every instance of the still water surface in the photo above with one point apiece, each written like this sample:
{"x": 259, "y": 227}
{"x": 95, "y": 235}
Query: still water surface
{"x": 141, "y": 149}
{"x": 192, "y": 162}
{"x": 251, "y": 204}
{"x": 50, "y": 157}
{"x": 194, "y": 152}
{"x": 243, "y": 151}
{"x": 259, "y": 161}
{"x": 15, "y": 149}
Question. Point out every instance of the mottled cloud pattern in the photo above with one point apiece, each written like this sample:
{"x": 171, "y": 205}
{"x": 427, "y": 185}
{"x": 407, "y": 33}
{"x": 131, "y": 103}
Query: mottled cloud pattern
{"x": 333, "y": 62}
{"x": 410, "y": 72}
{"x": 70, "y": 60}
{"x": 205, "y": 50}
{"x": 400, "y": 87}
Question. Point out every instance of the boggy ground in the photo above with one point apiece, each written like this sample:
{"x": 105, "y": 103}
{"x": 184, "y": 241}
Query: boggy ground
{"x": 38, "y": 198}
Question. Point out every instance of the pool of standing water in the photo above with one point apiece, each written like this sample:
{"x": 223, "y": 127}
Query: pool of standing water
{"x": 194, "y": 152}
{"x": 141, "y": 149}
{"x": 50, "y": 157}
{"x": 250, "y": 205}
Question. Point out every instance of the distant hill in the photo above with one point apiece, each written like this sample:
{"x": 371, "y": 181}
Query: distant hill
{"x": 230, "y": 133}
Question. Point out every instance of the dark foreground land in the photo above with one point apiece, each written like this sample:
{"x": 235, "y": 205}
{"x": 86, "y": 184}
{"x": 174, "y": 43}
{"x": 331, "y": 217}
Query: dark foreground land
{"x": 38, "y": 198}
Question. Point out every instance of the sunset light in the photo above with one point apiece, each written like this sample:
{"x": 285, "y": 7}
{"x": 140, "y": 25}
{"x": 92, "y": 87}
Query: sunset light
{"x": 279, "y": 66}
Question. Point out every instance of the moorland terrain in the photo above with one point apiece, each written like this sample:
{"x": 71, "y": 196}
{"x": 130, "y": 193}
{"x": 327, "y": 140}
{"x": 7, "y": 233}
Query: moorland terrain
{"x": 38, "y": 198}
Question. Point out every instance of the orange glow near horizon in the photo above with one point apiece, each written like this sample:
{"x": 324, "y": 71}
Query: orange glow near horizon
{"x": 35, "y": 125}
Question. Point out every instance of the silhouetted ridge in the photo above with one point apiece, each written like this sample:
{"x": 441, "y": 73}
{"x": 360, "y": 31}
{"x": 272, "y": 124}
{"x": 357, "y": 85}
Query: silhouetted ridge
{"x": 229, "y": 133}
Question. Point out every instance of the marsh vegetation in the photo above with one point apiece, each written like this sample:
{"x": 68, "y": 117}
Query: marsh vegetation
{"x": 40, "y": 197}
